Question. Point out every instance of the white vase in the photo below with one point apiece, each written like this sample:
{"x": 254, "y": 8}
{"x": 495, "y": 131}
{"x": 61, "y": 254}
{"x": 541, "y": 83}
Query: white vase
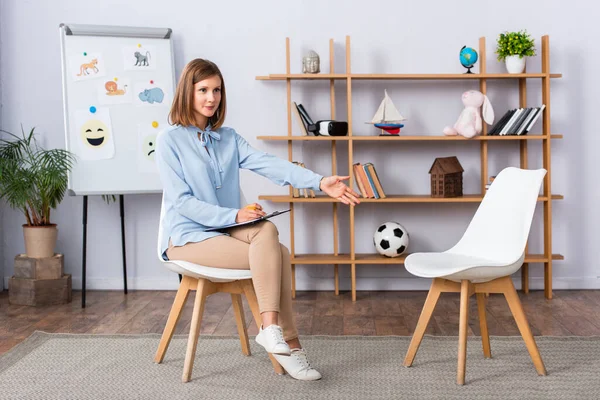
{"x": 515, "y": 64}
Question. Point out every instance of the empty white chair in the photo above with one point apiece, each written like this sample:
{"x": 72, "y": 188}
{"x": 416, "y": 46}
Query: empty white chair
{"x": 207, "y": 281}
{"x": 491, "y": 249}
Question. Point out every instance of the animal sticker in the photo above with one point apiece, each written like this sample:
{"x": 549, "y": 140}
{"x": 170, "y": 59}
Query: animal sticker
{"x": 112, "y": 89}
{"x": 87, "y": 68}
{"x": 139, "y": 57}
{"x": 150, "y": 93}
{"x": 142, "y": 60}
{"x": 117, "y": 90}
{"x": 84, "y": 66}
{"x": 93, "y": 131}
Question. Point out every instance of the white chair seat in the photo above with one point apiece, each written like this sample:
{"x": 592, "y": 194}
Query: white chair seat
{"x": 456, "y": 267}
{"x": 197, "y": 271}
{"x": 202, "y": 272}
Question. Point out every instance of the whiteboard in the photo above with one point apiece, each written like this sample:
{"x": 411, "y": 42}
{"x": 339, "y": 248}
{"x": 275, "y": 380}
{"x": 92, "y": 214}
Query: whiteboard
{"x": 118, "y": 86}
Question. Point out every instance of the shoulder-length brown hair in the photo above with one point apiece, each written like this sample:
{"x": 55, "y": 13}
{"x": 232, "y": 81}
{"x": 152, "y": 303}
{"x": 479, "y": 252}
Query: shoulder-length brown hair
{"x": 182, "y": 109}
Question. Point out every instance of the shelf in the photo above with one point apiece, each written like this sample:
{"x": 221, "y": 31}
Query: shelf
{"x": 319, "y": 259}
{"x": 361, "y": 132}
{"x": 408, "y": 138}
{"x": 467, "y": 198}
{"x": 279, "y": 77}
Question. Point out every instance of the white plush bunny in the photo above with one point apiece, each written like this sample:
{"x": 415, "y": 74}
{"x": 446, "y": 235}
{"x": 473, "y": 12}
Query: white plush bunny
{"x": 469, "y": 121}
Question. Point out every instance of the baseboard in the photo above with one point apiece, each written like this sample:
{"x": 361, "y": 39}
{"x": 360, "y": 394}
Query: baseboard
{"x": 326, "y": 284}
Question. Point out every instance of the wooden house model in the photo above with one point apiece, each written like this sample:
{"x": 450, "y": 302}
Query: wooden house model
{"x": 446, "y": 177}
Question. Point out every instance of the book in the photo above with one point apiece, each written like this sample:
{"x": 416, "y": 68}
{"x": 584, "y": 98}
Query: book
{"x": 376, "y": 180}
{"x": 535, "y": 118}
{"x": 310, "y": 125}
{"x": 371, "y": 182}
{"x": 501, "y": 122}
{"x": 359, "y": 181}
{"x": 530, "y": 114}
{"x": 511, "y": 121}
{"x": 299, "y": 119}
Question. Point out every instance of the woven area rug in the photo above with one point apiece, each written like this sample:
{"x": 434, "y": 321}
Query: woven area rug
{"x": 65, "y": 366}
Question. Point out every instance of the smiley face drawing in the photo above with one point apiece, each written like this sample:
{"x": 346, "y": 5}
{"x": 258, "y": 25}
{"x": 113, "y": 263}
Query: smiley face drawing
{"x": 94, "y": 133}
{"x": 149, "y": 147}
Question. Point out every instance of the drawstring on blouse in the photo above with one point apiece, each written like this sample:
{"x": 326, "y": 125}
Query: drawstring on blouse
{"x": 205, "y": 141}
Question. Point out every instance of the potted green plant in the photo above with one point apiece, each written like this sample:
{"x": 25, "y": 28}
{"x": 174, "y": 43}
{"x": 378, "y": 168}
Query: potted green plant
{"x": 513, "y": 47}
{"x": 34, "y": 181}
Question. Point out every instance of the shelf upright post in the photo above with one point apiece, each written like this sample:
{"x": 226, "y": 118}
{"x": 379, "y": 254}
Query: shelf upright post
{"x": 290, "y": 158}
{"x": 524, "y": 165}
{"x": 484, "y": 143}
{"x": 350, "y": 168}
{"x": 546, "y": 147}
{"x": 336, "y": 275}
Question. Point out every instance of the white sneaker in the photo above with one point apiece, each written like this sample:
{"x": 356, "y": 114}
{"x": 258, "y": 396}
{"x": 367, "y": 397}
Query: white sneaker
{"x": 271, "y": 338}
{"x": 298, "y": 366}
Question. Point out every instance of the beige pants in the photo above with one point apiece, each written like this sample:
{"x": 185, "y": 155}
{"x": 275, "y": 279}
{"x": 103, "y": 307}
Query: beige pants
{"x": 255, "y": 247}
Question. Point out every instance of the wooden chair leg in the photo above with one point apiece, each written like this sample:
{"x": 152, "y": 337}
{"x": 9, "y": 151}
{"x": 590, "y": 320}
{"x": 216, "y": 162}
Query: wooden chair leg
{"x": 194, "y": 330}
{"x": 514, "y": 303}
{"x": 240, "y": 321}
{"x": 174, "y": 315}
{"x": 253, "y": 303}
{"x": 485, "y": 336}
{"x": 428, "y": 307}
{"x": 462, "y": 332}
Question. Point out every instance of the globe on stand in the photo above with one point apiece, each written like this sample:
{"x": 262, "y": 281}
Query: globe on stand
{"x": 468, "y": 58}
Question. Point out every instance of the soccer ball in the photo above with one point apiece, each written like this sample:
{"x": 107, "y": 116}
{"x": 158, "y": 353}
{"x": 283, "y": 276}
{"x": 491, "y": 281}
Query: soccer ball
{"x": 390, "y": 239}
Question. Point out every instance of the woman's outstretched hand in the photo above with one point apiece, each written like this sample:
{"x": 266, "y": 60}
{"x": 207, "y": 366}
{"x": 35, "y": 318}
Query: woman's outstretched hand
{"x": 334, "y": 187}
{"x": 250, "y": 212}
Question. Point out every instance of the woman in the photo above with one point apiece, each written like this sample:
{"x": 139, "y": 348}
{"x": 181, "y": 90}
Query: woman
{"x": 199, "y": 161}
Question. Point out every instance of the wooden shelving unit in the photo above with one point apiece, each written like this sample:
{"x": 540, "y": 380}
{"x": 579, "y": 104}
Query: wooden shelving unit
{"x": 393, "y": 198}
{"x": 317, "y": 259}
{"x": 423, "y": 138}
{"x": 353, "y": 259}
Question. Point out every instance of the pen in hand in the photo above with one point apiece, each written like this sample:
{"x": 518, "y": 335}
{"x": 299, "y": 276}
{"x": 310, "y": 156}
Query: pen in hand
{"x": 250, "y": 212}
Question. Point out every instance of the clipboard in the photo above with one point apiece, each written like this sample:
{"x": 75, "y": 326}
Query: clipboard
{"x": 273, "y": 214}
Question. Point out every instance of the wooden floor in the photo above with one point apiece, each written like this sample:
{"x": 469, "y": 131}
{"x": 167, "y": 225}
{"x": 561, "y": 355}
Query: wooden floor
{"x": 317, "y": 313}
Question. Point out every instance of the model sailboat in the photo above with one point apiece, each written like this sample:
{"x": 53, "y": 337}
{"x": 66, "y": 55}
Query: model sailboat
{"x": 387, "y": 117}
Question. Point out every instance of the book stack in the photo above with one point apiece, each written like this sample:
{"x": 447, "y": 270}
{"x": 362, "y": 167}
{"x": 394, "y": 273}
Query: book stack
{"x": 302, "y": 192}
{"x": 367, "y": 181}
{"x": 517, "y": 121}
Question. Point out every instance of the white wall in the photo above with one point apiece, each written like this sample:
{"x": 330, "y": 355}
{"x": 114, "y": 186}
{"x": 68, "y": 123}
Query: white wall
{"x": 2, "y": 245}
{"x": 247, "y": 39}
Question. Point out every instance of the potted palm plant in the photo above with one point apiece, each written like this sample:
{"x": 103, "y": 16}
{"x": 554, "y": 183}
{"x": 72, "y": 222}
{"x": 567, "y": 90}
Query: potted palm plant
{"x": 34, "y": 180}
{"x": 513, "y": 47}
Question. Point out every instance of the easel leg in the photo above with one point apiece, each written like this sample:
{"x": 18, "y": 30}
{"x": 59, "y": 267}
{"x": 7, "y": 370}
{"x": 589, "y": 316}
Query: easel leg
{"x": 84, "y": 258}
{"x": 121, "y": 201}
